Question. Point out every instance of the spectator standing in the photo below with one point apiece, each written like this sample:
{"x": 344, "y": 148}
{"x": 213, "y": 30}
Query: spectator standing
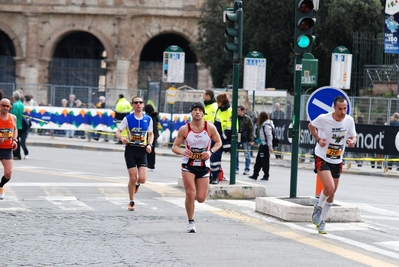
{"x": 223, "y": 119}
{"x": 149, "y": 110}
{"x": 29, "y": 101}
{"x": 211, "y": 105}
{"x": 265, "y": 138}
{"x": 393, "y": 122}
{"x": 276, "y": 115}
{"x": 18, "y": 111}
{"x": 72, "y": 101}
{"x": 379, "y": 157}
{"x": 122, "y": 108}
{"x": 245, "y": 138}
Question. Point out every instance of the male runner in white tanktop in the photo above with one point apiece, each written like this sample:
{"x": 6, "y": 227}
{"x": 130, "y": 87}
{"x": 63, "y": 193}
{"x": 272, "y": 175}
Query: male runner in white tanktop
{"x": 197, "y": 136}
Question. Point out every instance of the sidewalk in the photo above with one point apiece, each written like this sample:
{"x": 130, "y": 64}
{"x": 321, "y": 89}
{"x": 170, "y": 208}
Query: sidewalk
{"x": 77, "y": 143}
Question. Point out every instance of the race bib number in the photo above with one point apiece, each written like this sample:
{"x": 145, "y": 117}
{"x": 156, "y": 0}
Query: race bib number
{"x": 334, "y": 151}
{"x": 5, "y": 133}
{"x": 197, "y": 154}
{"x": 137, "y": 138}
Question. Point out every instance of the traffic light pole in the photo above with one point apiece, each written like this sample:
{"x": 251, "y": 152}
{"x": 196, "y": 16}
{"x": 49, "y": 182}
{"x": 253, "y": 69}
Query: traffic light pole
{"x": 233, "y": 153}
{"x": 296, "y": 126}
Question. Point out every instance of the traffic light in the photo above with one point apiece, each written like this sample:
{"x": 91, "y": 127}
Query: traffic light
{"x": 304, "y": 23}
{"x": 234, "y": 31}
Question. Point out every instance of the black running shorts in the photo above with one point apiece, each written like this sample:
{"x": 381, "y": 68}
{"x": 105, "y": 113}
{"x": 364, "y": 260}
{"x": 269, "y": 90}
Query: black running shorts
{"x": 322, "y": 165}
{"x": 199, "y": 172}
{"x": 6, "y": 153}
{"x": 135, "y": 157}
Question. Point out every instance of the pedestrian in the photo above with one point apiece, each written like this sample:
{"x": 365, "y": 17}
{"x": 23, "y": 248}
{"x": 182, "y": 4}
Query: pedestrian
{"x": 393, "y": 122}
{"x": 18, "y": 110}
{"x": 149, "y": 110}
{"x": 276, "y": 115}
{"x": 245, "y": 138}
{"x": 122, "y": 108}
{"x": 197, "y": 136}
{"x": 138, "y": 143}
{"x": 379, "y": 157}
{"x": 264, "y": 128}
{"x": 210, "y": 105}
{"x": 8, "y": 141}
{"x": 333, "y": 132}
{"x": 223, "y": 119}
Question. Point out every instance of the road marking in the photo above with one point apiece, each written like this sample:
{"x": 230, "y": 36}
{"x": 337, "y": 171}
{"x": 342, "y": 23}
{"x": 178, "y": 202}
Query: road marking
{"x": 181, "y": 203}
{"x": 67, "y": 203}
{"x": 67, "y": 185}
{"x": 372, "y": 209}
{"x": 315, "y": 241}
{"x": 394, "y": 245}
{"x": 238, "y": 202}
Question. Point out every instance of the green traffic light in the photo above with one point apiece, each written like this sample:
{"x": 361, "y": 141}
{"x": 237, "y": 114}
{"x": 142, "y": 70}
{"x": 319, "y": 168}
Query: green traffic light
{"x": 303, "y": 41}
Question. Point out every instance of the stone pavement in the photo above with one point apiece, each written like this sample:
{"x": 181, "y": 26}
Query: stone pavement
{"x": 77, "y": 143}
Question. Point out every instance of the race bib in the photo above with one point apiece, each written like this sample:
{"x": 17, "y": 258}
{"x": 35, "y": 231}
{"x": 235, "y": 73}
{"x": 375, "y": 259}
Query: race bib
{"x": 5, "y": 133}
{"x": 334, "y": 151}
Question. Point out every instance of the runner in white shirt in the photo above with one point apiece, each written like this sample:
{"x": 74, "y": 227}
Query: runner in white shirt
{"x": 333, "y": 132}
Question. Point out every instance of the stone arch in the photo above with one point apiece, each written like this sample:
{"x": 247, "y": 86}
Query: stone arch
{"x": 14, "y": 38}
{"x": 58, "y": 35}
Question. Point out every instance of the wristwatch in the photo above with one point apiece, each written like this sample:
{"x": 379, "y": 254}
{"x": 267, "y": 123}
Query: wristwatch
{"x": 211, "y": 151}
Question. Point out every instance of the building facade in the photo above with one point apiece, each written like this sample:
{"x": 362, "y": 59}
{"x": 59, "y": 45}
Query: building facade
{"x": 36, "y": 28}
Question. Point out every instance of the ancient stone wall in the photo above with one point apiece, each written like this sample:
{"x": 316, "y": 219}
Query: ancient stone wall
{"x": 123, "y": 27}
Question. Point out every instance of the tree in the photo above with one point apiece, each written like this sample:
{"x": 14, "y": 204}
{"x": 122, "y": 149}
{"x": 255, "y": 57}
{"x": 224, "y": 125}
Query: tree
{"x": 269, "y": 29}
{"x": 210, "y": 45}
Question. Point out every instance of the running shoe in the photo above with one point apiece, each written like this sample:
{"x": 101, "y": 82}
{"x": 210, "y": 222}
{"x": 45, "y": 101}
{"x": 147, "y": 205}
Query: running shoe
{"x": 137, "y": 188}
{"x": 191, "y": 227}
{"x": 131, "y": 206}
{"x": 316, "y": 215}
{"x": 245, "y": 173}
{"x": 322, "y": 227}
{"x": 1, "y": 193}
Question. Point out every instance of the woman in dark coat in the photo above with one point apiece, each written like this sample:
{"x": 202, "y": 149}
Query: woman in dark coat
{"x": 149, "y": 110}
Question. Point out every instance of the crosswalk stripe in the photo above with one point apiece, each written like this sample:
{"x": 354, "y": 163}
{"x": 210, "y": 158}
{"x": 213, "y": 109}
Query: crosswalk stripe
{"x": 68, "y": 185}
{"x": 181, "y": 203}
{"x": 67, "y": 203}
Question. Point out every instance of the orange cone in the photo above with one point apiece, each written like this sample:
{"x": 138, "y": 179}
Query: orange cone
{"x": 319, "y": 186}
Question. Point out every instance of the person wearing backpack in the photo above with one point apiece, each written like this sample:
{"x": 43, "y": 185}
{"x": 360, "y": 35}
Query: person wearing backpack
{"x": 265, "y": 137}
{"x": 149, "y": 110}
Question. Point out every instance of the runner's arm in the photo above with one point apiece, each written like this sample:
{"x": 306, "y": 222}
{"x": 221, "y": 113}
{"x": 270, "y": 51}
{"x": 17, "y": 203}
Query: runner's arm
{"x": 215, "y": 138}
{"x": 179, "y": 140}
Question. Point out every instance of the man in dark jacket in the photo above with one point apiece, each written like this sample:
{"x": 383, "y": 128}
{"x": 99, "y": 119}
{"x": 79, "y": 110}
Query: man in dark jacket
{"x": 245, "y": 138}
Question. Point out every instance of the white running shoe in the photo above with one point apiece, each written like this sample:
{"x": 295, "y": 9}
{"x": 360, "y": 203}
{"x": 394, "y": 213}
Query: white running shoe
{"x": 191, "y": 227}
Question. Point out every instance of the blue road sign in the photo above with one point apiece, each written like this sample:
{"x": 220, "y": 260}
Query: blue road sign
{"x": 322, "y": 101}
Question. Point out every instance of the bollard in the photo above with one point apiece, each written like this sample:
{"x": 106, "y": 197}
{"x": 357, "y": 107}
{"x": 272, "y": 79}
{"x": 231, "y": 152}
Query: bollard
{"x": 319, "y": 186}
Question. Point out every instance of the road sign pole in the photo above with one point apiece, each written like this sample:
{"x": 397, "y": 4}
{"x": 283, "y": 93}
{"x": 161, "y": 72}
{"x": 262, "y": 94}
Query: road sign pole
{"x": 233, "y": 154}
{"x": 295, "y": 122}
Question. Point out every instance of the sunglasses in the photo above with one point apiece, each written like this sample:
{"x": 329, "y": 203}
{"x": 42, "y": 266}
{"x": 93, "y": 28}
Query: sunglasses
{"x": 138, "y": 102}
{"x": 6, "y": 106}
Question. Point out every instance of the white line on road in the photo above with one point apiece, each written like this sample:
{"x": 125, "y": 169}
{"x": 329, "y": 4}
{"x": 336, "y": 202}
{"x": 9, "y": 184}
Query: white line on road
{"x": 68, "y": 184}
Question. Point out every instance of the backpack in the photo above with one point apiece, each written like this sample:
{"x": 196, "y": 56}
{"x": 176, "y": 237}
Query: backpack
{"x": 26, "y": 123}
{"x": 275, "y": 141}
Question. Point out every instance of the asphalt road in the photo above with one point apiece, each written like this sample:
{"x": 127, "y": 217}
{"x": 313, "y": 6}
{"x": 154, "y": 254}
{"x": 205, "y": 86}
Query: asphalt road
{"x": 67, "y": 207}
